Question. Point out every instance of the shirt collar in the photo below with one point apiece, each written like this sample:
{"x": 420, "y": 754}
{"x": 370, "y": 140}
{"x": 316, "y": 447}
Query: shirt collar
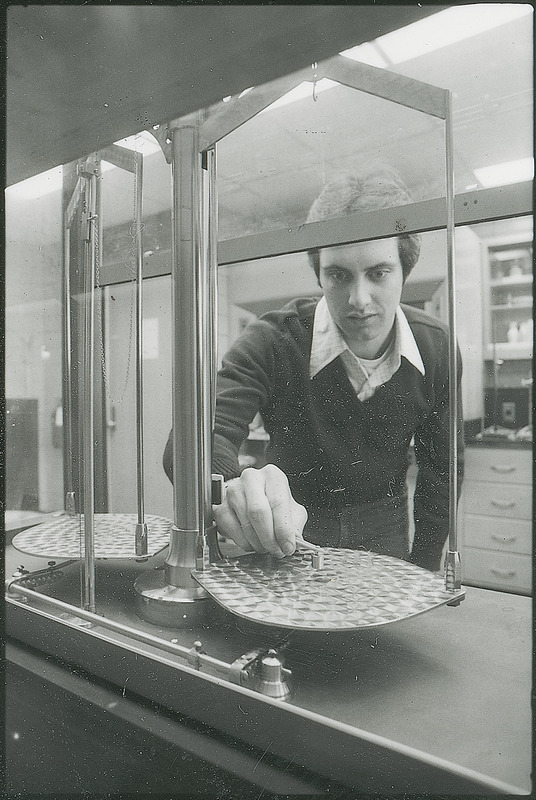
{"x": 328, "y": 342}
{"x": 406, "y": 341}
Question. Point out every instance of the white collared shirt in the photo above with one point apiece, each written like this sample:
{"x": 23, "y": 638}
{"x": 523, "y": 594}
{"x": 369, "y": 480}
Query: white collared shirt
{"x": 365, "y": 375}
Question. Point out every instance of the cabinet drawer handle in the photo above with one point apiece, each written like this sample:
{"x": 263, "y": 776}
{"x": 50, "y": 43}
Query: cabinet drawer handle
{"x": 503, "y": 468}
{"x": 503, "y": 503}
{"x": 503, "y": 574}
{"x": 503, "y": 539}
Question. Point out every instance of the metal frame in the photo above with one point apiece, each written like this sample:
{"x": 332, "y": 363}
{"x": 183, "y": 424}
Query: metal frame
{"x": 192, "y": 476}
{"x": 483, "y": 205}
{"x": 87, "y": 186}
{"x": 133, "y": 162}
{"x": 364, "y": 761}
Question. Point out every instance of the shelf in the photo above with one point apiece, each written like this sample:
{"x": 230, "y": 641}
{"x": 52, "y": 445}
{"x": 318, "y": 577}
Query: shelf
{"x": 509, "y": 350}
{"x": 512, "y": 306}
{"x": 517, "y": 280}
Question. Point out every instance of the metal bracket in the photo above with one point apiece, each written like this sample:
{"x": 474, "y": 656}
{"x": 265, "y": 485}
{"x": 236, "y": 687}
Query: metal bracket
{"x": 88, "y": 168}
{"x": 194, "y": 655}
{"x": 162, "y": 134}
{"x": 262, "y": 671}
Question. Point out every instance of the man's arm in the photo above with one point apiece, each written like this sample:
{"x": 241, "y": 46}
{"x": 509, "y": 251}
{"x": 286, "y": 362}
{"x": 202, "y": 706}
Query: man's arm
{"x": 243, "y": 386}
{"x": 258, "y": 511}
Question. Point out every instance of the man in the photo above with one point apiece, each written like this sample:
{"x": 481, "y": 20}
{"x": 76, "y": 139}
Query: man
{"x": 343, "y": 385}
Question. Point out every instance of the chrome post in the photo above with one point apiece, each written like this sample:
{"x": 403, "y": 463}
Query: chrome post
{"x": 88, "y": 421}
{"x": 67, "y": 370}
{"x": 171, "y": 596}
{"x": 141, "y": 527}
{"x": 452, "y": 558}
{"x": 185, "y": 378}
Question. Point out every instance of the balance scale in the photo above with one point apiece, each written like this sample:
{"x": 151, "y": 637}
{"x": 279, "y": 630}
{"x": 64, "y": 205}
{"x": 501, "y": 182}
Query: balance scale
{"x": 327, "y": 589}
{"x": 321, "y": 589}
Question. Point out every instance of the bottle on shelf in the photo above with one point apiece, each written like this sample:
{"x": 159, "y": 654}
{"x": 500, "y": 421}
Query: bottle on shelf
{"x": 513, "y": 332}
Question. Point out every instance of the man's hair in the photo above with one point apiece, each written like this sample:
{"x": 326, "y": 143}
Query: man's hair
{"x": 370, "y": 191}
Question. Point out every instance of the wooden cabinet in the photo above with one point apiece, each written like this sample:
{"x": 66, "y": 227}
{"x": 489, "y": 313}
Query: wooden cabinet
{"x": 496, "y": 531}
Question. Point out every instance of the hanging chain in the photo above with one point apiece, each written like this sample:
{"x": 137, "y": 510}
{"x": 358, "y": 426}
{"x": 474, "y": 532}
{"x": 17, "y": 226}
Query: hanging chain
{"x": 131, "y": 254}
{"x": 314, "y": 67}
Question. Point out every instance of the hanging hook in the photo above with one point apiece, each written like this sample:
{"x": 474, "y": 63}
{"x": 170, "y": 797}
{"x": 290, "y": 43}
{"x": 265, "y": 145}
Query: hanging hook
{"x": 314, "y": 66}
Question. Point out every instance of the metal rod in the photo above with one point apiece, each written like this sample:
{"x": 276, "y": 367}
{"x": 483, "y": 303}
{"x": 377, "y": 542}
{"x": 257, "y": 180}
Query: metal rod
{"x": 203, "y": 354}
{"x": 117, "y": 627}
{"x": 303, "y": 544}
{"x": 67, "y": 369}
{"x": 207, "y": 548}
{"x": 206, "y": 333}
{"x": 452, "y": 565}
{"x": 88, "y": 420}
{"x": 213, "y": 276}
{"x": 141, "y": 528}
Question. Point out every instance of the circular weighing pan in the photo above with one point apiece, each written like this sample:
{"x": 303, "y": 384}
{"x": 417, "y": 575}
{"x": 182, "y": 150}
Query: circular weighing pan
{"x": 114, "y": 536}
{"x": 353, "y": 590}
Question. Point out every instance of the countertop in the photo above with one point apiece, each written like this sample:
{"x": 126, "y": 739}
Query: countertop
{"x": 499, "y": 443}
{"x": 454, "y": 682}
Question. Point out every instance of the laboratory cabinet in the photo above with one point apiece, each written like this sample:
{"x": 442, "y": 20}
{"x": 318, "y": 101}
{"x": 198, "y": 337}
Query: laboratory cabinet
{"x": 508, "y": 298}
{"x": 496, "y": 529}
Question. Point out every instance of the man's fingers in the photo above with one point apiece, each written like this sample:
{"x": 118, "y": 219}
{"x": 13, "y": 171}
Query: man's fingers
{"x": 299, "y": 517}
{"x": 245, "y": 497}
{"x": 259, "y": 510}
{"x": 288, "y": 516}
{"x": 229, "y": 525}
{"x": 260, "y": 513}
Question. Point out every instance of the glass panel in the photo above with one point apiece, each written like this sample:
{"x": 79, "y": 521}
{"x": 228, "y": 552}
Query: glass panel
{"x": 507, "y": 280}
{"x": 33, "y": 375}
{"x": 157, "y": 397}
{"x": 492, "y": 107}
{"x": 272, "y": 168}
{"x": 252, "y": 288}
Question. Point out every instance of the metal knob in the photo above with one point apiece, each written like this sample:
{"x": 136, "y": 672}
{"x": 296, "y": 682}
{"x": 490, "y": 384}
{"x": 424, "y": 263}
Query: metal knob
{"x": 273, "y": 681}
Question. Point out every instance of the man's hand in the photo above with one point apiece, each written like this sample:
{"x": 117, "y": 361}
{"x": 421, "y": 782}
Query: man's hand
{"x": 259, "y": 512}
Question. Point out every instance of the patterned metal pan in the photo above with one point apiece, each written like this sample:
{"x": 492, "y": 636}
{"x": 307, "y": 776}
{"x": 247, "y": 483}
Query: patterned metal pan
{"x": 353, "y": 590}
{"x": 114, "y": 536}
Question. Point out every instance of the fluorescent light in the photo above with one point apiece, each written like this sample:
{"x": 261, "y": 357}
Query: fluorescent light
{"x": 440, "y": 30}
{"x": 38, "y": 185}
{"x": 506, "y": 173}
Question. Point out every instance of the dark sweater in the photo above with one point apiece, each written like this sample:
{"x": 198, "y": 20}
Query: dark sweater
{"x": 336, "y": 450}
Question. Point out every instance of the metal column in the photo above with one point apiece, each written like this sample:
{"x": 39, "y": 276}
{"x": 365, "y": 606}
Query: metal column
{"x": 171, "y": 596}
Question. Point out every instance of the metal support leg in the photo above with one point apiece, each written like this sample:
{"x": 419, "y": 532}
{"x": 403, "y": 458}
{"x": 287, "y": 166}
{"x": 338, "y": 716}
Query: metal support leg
{"x": 170, "y": 596}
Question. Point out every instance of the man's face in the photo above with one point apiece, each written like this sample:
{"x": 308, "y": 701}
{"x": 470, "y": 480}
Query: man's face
{"x": 362, "y": 284}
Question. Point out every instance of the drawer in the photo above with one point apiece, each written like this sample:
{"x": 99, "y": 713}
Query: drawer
{"x": 494, "y": 533}
{"x": 497, "y": 500}
{"x": 506, "y": 571}
{"x": 498, "y": 464}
